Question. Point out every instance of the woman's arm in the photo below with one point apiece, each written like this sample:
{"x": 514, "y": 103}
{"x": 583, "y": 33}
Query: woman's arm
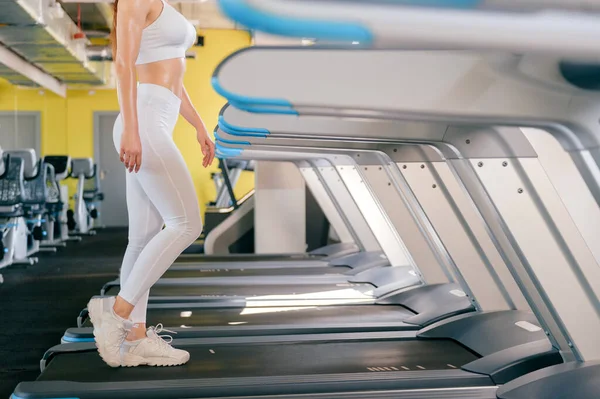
{"x": 190, "y": 114}
{"x": 131, "y": 20}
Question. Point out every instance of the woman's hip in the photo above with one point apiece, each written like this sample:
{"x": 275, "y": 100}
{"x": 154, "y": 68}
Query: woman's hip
{"x": 157, "y": 113}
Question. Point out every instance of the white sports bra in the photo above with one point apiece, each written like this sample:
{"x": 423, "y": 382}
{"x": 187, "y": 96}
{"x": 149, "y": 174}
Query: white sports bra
{"x": 169, "y": 36}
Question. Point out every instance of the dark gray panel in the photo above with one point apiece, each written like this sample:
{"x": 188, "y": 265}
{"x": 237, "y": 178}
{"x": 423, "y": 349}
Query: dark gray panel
{"x": 431, "y": 303}
{"x": 488, "y": 332}
{"x": 508, "y": 364}
{"x": 565, "y": 381}
{"x": 336, "y": 250}
{"x": 361, "y": 261}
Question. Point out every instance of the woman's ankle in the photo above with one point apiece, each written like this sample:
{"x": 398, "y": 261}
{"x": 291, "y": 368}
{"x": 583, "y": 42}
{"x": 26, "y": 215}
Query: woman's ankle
{"x": 137, "y": 332}
{"x": 122, "y": 308}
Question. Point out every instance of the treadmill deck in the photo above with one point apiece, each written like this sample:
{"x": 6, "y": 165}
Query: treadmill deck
{"x": 330, "y": 315}
{"x": 278, "y": 359}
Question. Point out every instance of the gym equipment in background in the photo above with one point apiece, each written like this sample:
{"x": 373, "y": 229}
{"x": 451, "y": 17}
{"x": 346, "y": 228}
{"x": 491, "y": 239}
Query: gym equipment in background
{"x": 35, "y": 198}
{"x": 62, "y": 171}
{"x": 80, "y": 220}
{"x": 92, "y": 194}
{"x": 13, "y": 228}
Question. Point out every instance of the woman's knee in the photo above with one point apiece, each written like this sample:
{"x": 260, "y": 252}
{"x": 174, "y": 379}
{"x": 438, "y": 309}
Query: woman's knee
{"x": 139, "y": 239}
{"x": 194, "y": 226}
{"x": 189, "y": 227}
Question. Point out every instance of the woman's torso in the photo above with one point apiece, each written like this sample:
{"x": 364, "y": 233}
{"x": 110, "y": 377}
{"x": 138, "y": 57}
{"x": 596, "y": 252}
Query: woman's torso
{"x": 165, "y": 39}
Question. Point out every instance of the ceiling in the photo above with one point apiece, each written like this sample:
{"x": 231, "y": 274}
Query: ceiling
{"x": 96, "y": 17}
{"x": 39, "y": 45}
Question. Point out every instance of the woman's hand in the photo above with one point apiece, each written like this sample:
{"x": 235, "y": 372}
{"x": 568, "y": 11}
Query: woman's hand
{"x": 131, "y": 151}
{"x": 207, "y": 146}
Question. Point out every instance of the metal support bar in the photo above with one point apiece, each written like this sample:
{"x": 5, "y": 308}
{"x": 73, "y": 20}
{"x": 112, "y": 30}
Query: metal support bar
{"x": 18, "y": 64}
{"x": 225, "y": 170}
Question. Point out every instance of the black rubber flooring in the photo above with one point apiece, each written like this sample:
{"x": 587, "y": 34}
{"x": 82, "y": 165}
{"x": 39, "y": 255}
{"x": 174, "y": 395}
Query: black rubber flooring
{"x": 38, "y": 303}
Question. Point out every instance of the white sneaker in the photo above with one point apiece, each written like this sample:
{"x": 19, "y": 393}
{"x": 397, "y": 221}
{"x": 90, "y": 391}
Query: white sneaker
{"x": 153, "y": 351}
{"x": 110, "y": 330}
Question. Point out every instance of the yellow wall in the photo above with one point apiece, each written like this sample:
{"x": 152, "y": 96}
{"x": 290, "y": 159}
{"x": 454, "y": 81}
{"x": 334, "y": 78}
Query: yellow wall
{"x": 67, "y": 123}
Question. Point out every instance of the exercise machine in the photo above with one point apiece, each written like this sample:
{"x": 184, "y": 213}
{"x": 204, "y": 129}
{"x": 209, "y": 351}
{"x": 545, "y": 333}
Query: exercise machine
{"x": 80, "y": 220}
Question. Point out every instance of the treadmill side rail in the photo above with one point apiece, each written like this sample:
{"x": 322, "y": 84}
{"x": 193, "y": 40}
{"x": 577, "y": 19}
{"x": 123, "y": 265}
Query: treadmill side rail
{"x": 506, "y": 365}
{"x": 65, "y": 348}
{"x": 361, "y": 260}
{"x": 257, "y": 386}
{"x": 486, "y": 333}
{"x": 431, "y": 303}
{"x": 336, "y": 250}
{"x": 510, "y": 343}
{"x": 567, "y": 380}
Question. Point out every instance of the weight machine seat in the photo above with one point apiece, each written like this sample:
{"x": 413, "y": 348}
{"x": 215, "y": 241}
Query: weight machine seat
{"x": 91, "y": 185}
{"x": 62, "y": 165}
{"x": 11, "y": 186}
{"x": 34, "y": 192}
{"x": 30, "y": 164}
{"x": 82, "y": 167}
{"x": 2, "y": 165}
{"x": 52, "y": 187}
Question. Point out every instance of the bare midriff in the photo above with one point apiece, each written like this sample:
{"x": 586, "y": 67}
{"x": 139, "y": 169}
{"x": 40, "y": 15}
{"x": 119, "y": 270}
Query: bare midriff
{"x": 166, "y": 73}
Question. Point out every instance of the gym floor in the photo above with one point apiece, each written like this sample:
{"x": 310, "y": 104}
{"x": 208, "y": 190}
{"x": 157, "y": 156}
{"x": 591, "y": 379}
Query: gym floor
{"x": 38, "y": 303}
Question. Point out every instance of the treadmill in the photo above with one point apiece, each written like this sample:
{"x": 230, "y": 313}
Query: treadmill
{"x": 301, "y": 318}
{"x": 336, "y": 202}
{"x": 253, "y": 315}
{"x": 408, "y": 309}
{"x": 329, "y": 251}
{"x": 441, "y": 357}
{"x": 371, "y": 274}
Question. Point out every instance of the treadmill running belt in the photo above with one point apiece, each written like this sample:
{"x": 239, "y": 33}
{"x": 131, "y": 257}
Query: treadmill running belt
{"x": 250, "y": 290}
{"x": 280, "y": 359}
{"x": 329, "y": 315}
{"x": 244, "y": 257}
{"x": 224, "y": 272}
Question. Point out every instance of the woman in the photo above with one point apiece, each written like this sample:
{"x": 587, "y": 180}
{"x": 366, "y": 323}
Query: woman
{"x": 150, "y": 39}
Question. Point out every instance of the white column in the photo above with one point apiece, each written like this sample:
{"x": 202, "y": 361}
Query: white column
{"x": 280, "y": 210}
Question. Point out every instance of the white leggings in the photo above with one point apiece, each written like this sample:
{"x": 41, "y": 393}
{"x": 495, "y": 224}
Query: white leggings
{"x": 161, "y": 193}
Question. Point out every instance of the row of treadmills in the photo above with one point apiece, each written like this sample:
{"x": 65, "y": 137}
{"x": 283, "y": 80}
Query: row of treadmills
{"x": 462, "y": 181}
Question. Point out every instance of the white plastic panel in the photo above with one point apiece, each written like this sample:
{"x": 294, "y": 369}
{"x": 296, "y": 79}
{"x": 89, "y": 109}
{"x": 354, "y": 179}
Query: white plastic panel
{"x": 449, "y": 86}
{"x": 404, "y": 223}
{"x": 570, "y": 186}
{"x": 386, "y": 235}
{"x": 558, "y": 257}
{"x": 463, "y": 245}
{"x": 479, "y": 230}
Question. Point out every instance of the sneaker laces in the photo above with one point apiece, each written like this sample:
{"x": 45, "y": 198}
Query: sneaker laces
{"x": 160, "y": 339}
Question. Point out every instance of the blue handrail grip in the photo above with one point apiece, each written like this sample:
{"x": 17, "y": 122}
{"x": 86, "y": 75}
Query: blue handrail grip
{"x": 263, "y": 110}
{"x": 73, "y": 340}
{"x": 239, "y": 133}
{"x": 248, "y": 131}
{"x": 13, "y": 396}
{"x": 233, "y": 146}
{"x": 232, "y": 142}
{"x": 226, "y": 152}
{"x": 239, "y": 98}
{"x": 462, "y": 4}
{"x": 253, "y": 18}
